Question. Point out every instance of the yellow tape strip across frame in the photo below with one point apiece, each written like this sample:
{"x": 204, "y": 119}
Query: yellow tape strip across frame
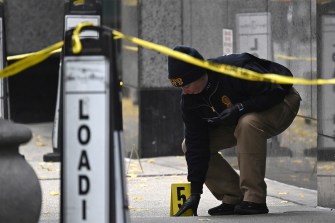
{"x": 30, "y": 60}
{"x": 220, "y": 68}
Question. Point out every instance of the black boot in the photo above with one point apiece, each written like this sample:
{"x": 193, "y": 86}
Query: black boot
{"x": 222, "y": 209}
{"x": 247, "y": 208}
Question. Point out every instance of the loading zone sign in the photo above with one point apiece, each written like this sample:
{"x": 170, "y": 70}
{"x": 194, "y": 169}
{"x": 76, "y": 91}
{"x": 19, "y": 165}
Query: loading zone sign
{"x": 86, "y": 143}
{"x": 254, "y": 34}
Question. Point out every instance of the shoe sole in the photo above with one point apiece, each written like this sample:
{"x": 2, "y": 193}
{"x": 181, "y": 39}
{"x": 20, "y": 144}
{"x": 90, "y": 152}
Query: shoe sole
{"x": 249, "y": 212}
{"x": 226, "y": 213}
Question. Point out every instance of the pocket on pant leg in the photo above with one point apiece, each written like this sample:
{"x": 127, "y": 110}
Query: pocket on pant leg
{"x": 278, "y": 118}
{"x": 291, "y": 105}
{"x": 292, "y": 100}
{"x": 286, "y": 119}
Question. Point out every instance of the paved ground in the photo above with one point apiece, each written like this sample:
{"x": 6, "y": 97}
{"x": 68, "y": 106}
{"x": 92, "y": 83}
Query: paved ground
{"x": 149, "y": 191}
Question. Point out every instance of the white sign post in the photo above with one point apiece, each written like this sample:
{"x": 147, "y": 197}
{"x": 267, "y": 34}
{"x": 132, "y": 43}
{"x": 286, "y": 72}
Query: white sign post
{"x": 327, "y": 93}
{"x": 93, "y": 188}
{"x": 1, "y": 68}
{"x": 86, "y": 148}
{"x": 1, "y": 45}
{"x": 4, "y": 88}
{"x": 254, "y": 34}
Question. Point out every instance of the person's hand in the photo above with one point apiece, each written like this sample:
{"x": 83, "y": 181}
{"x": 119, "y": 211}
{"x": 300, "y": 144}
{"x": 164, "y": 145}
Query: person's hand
{"x": 229, "y": 116}
{"x": 191, "y": 203}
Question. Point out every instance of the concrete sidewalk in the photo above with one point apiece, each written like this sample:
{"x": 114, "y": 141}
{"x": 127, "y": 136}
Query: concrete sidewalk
{"x": 149, "y": 191}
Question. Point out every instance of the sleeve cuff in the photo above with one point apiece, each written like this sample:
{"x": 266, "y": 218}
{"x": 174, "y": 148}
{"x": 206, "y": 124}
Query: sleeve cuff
{"x": 196, "y": 188}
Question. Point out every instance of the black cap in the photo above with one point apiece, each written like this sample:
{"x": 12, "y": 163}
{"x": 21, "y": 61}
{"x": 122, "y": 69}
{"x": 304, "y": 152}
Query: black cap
{"x": 182, "y": 73}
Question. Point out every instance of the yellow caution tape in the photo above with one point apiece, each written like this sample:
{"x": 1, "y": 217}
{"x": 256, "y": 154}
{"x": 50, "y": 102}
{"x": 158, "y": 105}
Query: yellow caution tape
{"x": 284, "y": 57}
{"x": 223, "y": 68}
{"x": 237, "y": 72}
{"x": 22, "y": 56}
{"x": 78, "y": 2}
{"x": 131, "y": 48}
{"x": 131, "y": 2}
{"x": 77, "y": 45}
{"x": 76, "y": 48}
{"x": 30, "y": 60}
{"x": 322, "y": 2}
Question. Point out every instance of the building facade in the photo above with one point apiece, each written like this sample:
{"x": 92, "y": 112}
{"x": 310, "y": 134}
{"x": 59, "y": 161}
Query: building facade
{"x": 298, "y": 34}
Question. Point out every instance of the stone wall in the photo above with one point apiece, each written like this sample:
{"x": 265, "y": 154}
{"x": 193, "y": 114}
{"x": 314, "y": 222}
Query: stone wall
{"x": 288, "y": 32}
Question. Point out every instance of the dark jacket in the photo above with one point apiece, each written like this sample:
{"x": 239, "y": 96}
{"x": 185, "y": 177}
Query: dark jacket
{"x": 223, "y": 91}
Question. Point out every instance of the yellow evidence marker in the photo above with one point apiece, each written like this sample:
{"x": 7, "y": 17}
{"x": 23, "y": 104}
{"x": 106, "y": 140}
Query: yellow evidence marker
{"x": 179, "y": 194}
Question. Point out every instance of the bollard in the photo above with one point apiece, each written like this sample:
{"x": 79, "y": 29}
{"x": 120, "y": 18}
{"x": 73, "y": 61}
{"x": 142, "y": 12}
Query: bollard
{"x": 20, "y": 191}
{"x": 4, "y": 95}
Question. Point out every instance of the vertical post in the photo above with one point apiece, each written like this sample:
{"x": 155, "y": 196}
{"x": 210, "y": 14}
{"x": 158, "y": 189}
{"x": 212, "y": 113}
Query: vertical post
{"x": 93, "y": 188}
{"x": 325, "y": 104}
{"x": 75, "y": 12}
{"x": 4, "y": 95}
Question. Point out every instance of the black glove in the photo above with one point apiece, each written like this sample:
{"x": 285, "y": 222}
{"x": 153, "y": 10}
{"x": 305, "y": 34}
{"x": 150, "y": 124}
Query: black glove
{"x": 229, "y": 116}
{"x": 191, "y": 203}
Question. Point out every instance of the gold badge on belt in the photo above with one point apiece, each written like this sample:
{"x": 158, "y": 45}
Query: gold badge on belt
{"x": 226, "y": 101}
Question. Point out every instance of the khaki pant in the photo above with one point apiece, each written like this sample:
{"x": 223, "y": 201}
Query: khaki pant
{"x": 250, "y": 137}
